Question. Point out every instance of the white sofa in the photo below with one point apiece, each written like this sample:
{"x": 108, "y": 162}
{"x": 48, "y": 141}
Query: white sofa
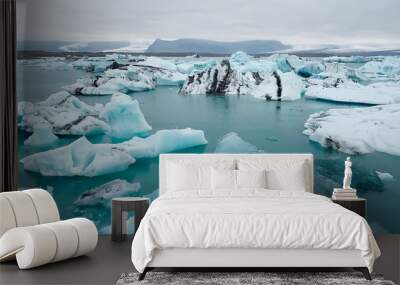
{"x": 31, "y": 231}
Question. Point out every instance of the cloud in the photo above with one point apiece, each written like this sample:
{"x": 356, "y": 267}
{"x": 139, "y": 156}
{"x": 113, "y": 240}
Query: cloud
{"x": 341, "y": 22}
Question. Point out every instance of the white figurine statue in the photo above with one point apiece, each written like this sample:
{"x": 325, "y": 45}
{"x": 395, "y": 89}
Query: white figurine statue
{"x": 347, "y": 174}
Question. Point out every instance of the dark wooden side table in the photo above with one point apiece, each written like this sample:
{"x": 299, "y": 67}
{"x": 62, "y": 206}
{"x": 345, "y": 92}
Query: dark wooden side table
{"x": 358, "y": 206}
{"x": 119, "y": 215}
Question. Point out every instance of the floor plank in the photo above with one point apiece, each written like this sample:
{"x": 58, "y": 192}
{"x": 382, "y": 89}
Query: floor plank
{"x": 110, "y": 260}
{"x": 102, "y": 266}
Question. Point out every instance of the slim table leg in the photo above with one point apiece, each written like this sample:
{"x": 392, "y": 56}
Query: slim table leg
{"x": 116, "y": 217}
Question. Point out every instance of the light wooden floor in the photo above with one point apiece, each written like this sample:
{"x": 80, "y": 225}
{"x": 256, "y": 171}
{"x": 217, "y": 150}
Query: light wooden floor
{"x": 110, "y": 260}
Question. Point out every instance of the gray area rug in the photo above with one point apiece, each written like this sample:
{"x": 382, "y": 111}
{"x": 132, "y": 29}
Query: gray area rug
{"x": 232, "y": 278}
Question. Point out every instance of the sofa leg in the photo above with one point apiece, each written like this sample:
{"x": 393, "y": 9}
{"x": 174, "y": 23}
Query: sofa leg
{"x": 365, "y": 272}
{"x": 143, "y": 274}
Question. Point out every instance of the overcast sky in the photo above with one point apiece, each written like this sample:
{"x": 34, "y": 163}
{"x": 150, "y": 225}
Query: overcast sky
{"x": 306, "y": 22}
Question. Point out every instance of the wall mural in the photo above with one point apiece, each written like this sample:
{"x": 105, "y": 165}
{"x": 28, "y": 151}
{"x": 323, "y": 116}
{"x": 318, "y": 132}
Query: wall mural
{"x": 101, "y": 97}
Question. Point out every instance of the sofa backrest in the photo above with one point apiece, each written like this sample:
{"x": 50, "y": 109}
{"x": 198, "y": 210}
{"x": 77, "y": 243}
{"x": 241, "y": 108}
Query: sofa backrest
{"x": 26, "y": 208}
{"x": 211, "y": 159}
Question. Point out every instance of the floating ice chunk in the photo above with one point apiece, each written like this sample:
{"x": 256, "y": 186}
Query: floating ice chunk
{"x": 221, "y": 79}
{"x": 283, "y": 64}
{"x": 195, "y": 66}
{"x": 76, "y": 88}
{"x": 86, "y": 159}
{"x": 79, "y": 158}
{"x": 357, "y": 130}
{"x": 103, "y": 194}
{"x": 263, "y": 67}
{"x": 310, "y": 69}
{"x": 42, "y": 136}
{"x": 113, "y": 73}
{"x": 159, "y": 62}
{"x": 96, "y": 64}
{"x": 134, "y": 78}
{"x": 291, "y": 87}
{"x": 240, "y": 58}
{"x": 287, "y": 63}
{"x": 384, "y": 176}
{"x": 66, "y": 114}
{"x": 304, "y": 68}
{"x": 163, "y": 141}
{"x": 124, "y": 117}
{"x": 377, "y": 93}
{"x": 170, "y": 78}
{"x": 389, "y": 67}
{"x": 119, "y": 85}
{"x": 155, "y": 76}
{"x": 347, "y": 59}
{"x": 233, "y": 143}
{"x": 185, "y": 67}
{"x": 83, "y": 65}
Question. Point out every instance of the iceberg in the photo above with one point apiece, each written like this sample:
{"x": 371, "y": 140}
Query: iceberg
{"x": 123, "y": 85}
{"x": 221, "y": 79}
{"x": 261, "y": 79}
{"x": 159, "y": 76}
{"x": 168, "y": 78}
{"x": 96, "y": 64}
{"x": 103, "y": 194}
{"x": 243, "y": 63}
{"x": 304, "y": 68}
{"x": 280, "y": 86}
{"x": 240, "y": 58}
{"x": 286, "y": 62}
{"x": 346, "y": 59}
{"x": 384, "y": 176}
{"x": 262, "y": 67}
{"x": 133, "y": 78}
{"x": 159, "y": 62}
{"x": 351, "y": 92}
{"x": 163, "y": 141}
{"x": 233, "y": 143}
{"x": 124, "y": 117}
{"x": 83, "y": 65}
{"x": 76, "y": 88}
{"x": 78, "y": 158}
{"x": 357, "y": 130}
{"x": 310, "y": 69}
{"x": 86, "y": 159}
{"x": 388, "y": 68}
{"x": 65, "y": 114}
{"x": 195, "y": 66}
{"x": 42, "y": 136}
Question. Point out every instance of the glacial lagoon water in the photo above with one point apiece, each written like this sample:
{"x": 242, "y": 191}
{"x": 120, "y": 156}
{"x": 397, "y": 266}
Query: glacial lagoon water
{"x": 270, "y": 126}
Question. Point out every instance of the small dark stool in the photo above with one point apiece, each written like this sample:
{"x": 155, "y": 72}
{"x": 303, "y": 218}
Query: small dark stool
{"x": 119, "y": 215}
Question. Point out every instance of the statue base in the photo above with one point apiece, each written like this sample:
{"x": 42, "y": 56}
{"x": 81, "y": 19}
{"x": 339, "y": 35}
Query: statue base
{"x": 343, "y": 194}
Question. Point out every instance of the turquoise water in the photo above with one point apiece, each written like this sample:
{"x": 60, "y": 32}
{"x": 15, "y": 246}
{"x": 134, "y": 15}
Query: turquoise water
{"x": 270, "y": 126}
